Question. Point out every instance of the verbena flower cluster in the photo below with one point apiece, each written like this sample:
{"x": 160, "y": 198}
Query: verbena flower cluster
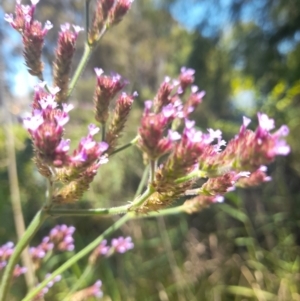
{"x": 177, "y": 152}
{"x": 168, "y": 138}
{"x": 239, "y": 163}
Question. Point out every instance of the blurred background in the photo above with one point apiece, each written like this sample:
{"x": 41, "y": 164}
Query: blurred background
{"x": 247, "y": 58}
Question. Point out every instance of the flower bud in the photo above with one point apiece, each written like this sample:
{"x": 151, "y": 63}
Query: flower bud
{"x": 118, "y": 11}
{"x": 63, "y": 59}
{"x": 186, "y": 78}
{"x": 119, "y": 118}
{"x": 100, "y": 15}
{"x": 255, "y": 179}
{"x": 152, "y": 139}
{"x": 107, "y": 88}
{"x": 201, "y": 202}
{"x": 92, "y": 291}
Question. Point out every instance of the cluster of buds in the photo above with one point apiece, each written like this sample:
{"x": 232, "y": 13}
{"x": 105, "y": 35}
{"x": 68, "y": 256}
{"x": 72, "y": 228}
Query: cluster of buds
{"x": 40, "y": 295}
{"x": 118, "y": 245}
{"x": 6, "y": 251}
{"x": 165, "y": 112}
{"x": 194, "y": 154}
{"x": 33, "y": 35}
{"x": 63, "y": 59}
{"x": 39, "y": 252}
{"x": 107, "y": 13}
{"x": 46, "y": 127}
{"x": 249, "y": 150}
{"x": 70, "y": 174}
{"x": 60, "y": 238}
{"x": 107, "y": 88}
{"x": 89, "y": 292}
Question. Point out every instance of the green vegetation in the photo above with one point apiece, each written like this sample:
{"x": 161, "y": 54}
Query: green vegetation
{"x": 245, "y": 249}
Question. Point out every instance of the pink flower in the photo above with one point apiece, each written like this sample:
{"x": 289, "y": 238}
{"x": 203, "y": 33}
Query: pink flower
{"x": 122, "y": 244}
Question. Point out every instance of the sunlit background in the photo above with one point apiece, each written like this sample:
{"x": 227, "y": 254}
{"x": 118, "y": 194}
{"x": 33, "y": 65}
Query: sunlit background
{"x": 246, "y": 57}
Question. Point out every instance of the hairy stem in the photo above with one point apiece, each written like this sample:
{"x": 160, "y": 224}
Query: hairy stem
{"x": 23, "y": 242}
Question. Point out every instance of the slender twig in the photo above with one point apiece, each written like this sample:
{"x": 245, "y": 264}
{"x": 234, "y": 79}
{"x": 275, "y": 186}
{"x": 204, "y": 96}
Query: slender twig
{"x": 142, "y": 183}
{"x": 141, "y": 199}
{"x": 87, "y": 18}
{"x": 193, "y": 175}
{"x": 88, "y": 212}
{"x": 89, "y": 269}
{"x": 49, "y": 194}
{"x": 16, "y": 201}
{"x": 132, "y": 142}
{"x": 84, "y": 59}
{"x": 23, "y": 242}
{"x": 153, "y": 166}
{"x": 88, "y": 50}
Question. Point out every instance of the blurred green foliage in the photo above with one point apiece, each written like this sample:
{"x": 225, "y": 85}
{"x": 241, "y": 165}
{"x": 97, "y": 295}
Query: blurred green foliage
{"x": 244, "y": 249}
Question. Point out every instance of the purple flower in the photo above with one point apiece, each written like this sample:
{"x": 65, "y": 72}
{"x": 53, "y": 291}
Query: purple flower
{"x": 5, "y": 252}
{"x": 96, "y": 289}
{"x": 186, "y": 78}
{"x": 119, "y": 10}
{"x": 88, "y": 151}
{"x": 61, "y": 237}
{"x": 122, "y": 244}
{"x": 39, "y": 252}
{"x": 45, "y": 290}
{"x": 18, "y": 271}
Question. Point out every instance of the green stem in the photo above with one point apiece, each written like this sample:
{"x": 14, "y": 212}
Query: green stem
{"x": 153, "y": 166}
{"x": 84, "y": 59}
{"x": 142, "y": 182}
{"x": 77, "y": 256}
{"x": 88, "y": 50}
{"x": 88, "y": 212}
{"x": 49, "y": 194}
{"x": 87, "y": 18}
{"x": 23, "y": 242}
{"x": 140, "y": 200}
{"x": 132, "y": 142}
{"x": 193, "y": 175}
